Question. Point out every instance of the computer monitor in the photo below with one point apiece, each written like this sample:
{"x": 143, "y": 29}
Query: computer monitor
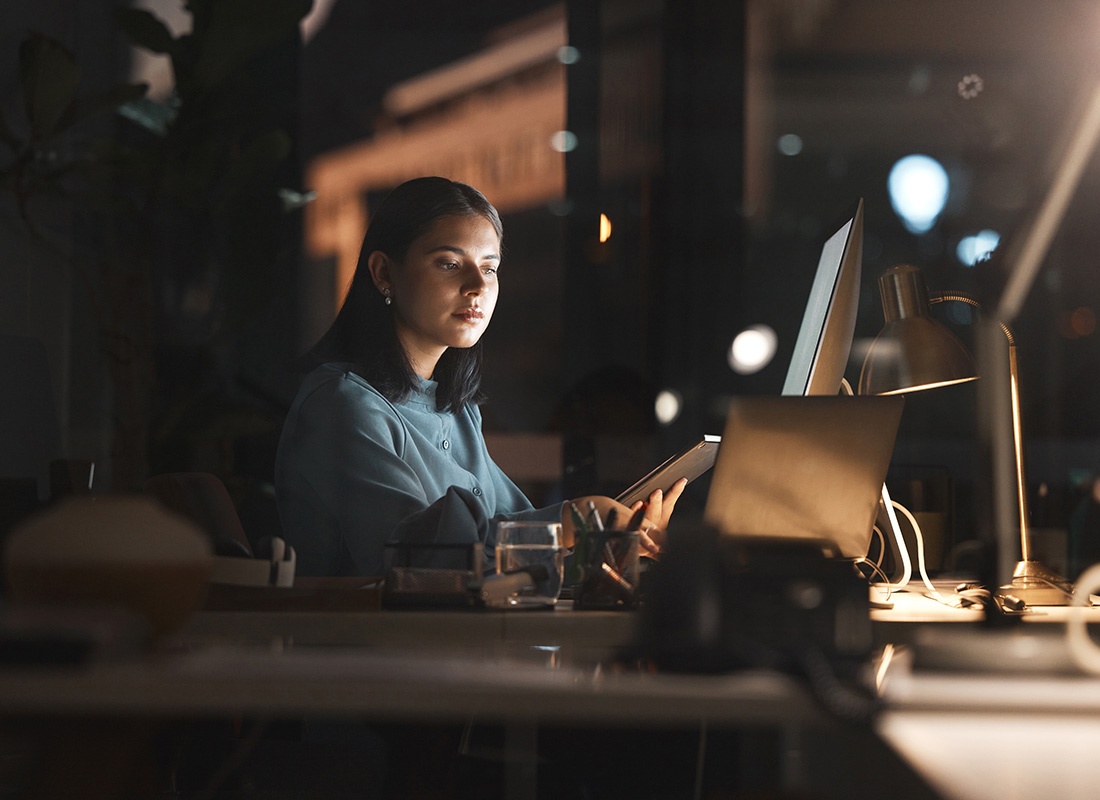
{"x": 828, "y": 325}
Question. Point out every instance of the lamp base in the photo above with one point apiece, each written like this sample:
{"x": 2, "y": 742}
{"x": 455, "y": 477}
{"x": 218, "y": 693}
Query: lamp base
{"x": 1038, "y": 585}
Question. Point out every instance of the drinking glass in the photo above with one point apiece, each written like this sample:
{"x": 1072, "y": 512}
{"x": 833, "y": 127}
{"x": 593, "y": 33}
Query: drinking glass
{"x": 532, "y": 549}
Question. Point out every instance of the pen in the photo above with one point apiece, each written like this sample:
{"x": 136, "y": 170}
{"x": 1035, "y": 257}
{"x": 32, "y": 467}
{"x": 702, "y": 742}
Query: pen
{"x": 580, "y": 544}
{"x": 594, "y": 515}
{"x": 621, "y": 583}
{"x": 578, "y": 518}
{"x": 608, "y": 552}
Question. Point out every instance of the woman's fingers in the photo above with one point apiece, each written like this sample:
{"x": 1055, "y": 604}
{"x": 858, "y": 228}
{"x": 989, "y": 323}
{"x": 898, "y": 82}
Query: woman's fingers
{"x": 668, "y": 502}
{"x": 653, "y": 523}
{"x": 674, "y": 491}
{"x": 648, "y": 544}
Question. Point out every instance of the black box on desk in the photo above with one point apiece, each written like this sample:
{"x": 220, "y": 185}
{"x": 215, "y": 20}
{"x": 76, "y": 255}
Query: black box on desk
{"x": 718, "y": 603}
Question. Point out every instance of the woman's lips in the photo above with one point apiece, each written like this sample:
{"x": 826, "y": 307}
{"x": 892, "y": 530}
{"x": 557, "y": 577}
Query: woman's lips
{"x": 471, "y": 314}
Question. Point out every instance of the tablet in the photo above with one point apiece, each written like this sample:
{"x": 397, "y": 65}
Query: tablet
{"x": 689, "y": 463}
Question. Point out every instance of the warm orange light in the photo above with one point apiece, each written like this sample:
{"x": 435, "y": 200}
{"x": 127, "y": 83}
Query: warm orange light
{"x": 605, "y": 228}
{"x": 1078, "y": 323}
{"x": 1082, "y": 321}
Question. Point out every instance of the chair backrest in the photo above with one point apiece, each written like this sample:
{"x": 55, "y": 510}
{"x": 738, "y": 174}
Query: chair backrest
{"x": 203, "y": 498}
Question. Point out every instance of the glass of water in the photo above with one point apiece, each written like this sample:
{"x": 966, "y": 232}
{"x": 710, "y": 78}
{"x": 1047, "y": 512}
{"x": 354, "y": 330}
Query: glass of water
{"x": 532, "y": 553}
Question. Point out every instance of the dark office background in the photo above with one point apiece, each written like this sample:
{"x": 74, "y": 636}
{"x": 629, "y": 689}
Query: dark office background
{"x": 717, "y": 231}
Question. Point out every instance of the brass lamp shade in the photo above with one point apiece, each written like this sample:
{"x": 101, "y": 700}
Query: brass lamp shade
{"x": 912, "y": 352}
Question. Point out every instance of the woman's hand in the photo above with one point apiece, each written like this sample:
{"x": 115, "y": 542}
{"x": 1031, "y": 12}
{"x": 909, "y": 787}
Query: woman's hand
{"x": 656, "y": 514}
{"x": 649, "y": 518}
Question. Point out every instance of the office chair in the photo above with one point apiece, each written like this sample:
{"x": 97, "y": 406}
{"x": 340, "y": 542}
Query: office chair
{"x": 203, "y": 498}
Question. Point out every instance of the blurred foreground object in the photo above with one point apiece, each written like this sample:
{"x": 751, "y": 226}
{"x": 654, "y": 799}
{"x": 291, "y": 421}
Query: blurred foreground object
{"x": 118, "y": 551}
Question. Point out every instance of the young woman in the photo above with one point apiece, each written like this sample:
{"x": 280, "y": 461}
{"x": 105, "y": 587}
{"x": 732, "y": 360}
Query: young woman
{"x": 383, "y": 442}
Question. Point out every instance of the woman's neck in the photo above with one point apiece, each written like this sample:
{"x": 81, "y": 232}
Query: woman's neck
{"x": 423, "y": 357}
{"x": 424, "y": 364}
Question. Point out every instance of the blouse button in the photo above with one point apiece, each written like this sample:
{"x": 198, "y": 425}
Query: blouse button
{"x": 477, "y": 491}
{"x": 446, "y": 444}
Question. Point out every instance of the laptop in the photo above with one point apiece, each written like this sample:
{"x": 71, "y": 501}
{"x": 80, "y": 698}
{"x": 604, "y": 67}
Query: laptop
{"x": 809, "y": 469}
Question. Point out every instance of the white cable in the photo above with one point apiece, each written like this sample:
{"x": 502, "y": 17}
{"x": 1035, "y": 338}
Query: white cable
{"x": 876, "y": 570}
{"x": 876, "y": 566}
{"x": 903, "y": 551}
{"x": 920, "y": 553}
{"x": 700, "y": 760}
{"x": 906, "y": 564}
{"x": 877, "y": 531}
{"x": 933, "y": 592}
{"x": 1081, "y": 647}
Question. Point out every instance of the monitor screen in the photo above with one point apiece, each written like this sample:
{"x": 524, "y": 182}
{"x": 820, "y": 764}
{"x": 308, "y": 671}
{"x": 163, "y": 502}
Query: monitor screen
{"x": 828, "y": 324}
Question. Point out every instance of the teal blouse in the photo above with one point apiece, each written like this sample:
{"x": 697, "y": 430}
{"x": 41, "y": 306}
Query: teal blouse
{"x": 355, "y": 471}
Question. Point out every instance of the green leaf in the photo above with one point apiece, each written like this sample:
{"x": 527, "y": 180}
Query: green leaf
{"x": 292, "y": 199}
{"x": 88, "y": 108}
{"x": 145, "y": 30}
{"x": 149, "y": 114}
{"x": 49, "y": 76}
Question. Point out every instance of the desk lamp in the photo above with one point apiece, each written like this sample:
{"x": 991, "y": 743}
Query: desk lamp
{"x": 913, "y": 352}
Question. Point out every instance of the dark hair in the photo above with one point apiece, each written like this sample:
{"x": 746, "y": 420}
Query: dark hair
{"x": 363, "y": 332}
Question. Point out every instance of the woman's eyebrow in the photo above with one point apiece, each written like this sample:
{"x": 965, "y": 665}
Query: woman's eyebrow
{"x": 458, "y": 251}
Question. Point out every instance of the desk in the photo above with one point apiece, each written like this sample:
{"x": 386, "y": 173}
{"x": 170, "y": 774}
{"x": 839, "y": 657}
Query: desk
{"x": 593, "y": 634}
{"x": 354, "y": 682}
{"x": 785, "y": 738}
{"x": 986, "y": 714}
{"x": 978, "y": 736}
{"x": 526, "y": 669}
{"x": 788, "y": 740}
{"x": 913, "y": 605}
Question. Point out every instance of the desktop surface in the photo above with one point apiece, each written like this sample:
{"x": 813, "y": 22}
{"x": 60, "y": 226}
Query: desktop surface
{"x": 972, "y": 732}
{"x": 987, "y": 715}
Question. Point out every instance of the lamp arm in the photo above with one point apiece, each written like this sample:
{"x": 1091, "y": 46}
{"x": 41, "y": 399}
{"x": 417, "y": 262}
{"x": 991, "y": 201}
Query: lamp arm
{"x": 1017, "y": 425}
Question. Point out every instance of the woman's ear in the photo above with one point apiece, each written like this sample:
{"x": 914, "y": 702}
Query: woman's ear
{"x": 380, "y": 270}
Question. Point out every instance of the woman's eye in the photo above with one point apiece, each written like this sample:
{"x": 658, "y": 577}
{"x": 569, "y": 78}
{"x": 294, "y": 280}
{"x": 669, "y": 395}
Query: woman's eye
{"x": 489, "y": 270}
{"x": 449, "y": 265}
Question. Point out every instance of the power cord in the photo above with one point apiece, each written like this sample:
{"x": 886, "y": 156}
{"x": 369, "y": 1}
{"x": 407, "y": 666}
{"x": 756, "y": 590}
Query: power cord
{"x": 848, "y": 702}
{"x": 972, "y": 595}
{"x": 933, "y": 592}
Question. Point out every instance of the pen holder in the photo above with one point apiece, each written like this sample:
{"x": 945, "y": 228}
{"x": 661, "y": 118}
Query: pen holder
{"x": 609, "y": 570}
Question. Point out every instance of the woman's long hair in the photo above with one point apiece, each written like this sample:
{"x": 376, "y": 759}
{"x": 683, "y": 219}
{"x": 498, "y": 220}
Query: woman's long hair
{"x": 364, "y": 333}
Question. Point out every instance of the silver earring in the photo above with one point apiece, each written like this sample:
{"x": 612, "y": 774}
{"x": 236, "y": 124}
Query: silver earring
{"x": 386, "y": 292}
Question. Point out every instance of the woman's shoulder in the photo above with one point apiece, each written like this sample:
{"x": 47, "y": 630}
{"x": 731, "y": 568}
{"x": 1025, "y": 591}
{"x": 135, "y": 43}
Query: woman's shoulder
{"x": 472, "y": 411}
{"x": 337, "y": 383}
{"x": 337, "y": 410}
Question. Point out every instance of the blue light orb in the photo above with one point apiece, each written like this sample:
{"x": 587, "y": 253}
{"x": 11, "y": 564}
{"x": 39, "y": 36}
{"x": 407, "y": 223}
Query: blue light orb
{"x": 976, "y": 248}
{"x": 918, "y": 191}
{"x": 789, "y": 144}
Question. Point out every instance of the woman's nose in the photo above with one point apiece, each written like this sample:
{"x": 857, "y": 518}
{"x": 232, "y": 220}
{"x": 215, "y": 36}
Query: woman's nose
{"x": 475, "y": 281}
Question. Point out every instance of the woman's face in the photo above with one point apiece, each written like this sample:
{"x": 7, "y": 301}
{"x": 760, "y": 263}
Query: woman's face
{"x": 445, "y": 290}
